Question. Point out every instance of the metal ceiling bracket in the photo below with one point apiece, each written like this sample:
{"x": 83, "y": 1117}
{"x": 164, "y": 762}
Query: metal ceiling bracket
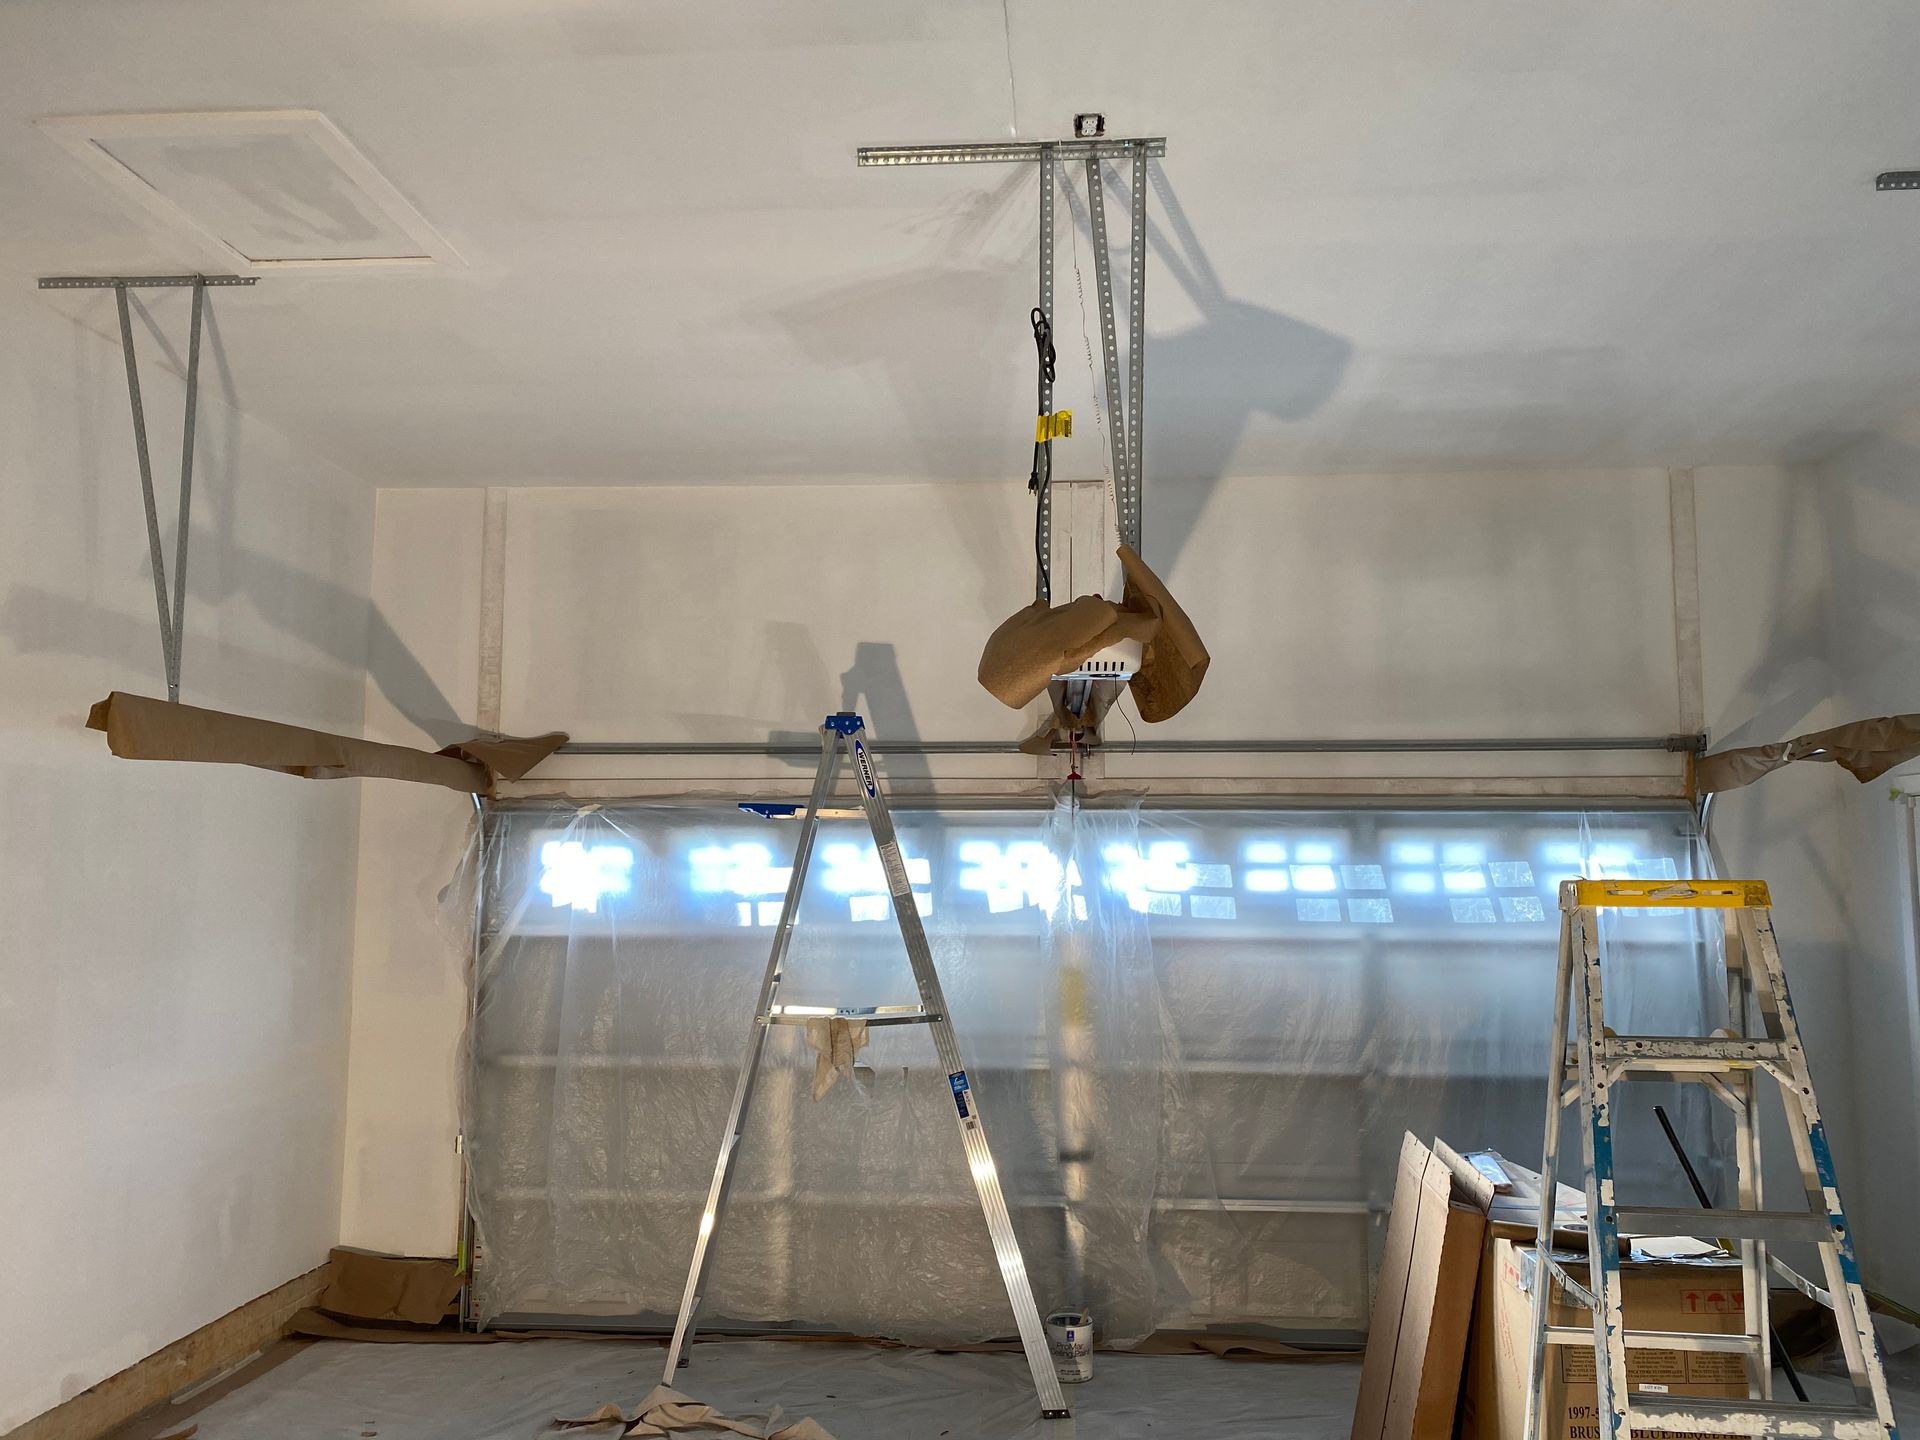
{"x": 1128, "y": 412}
{"x": 1043, "y": 523}
{"x": 172, "y": 613}
{"x": 138, "y": 282}
{"x": 1006, "y": 151}
{"x": 1136, "y": 358}
{"x": 1109, "y": 347}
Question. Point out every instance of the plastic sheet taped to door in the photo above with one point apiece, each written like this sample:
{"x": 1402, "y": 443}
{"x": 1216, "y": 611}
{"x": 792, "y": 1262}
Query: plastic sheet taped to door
{"x": 1196, "y": 1039}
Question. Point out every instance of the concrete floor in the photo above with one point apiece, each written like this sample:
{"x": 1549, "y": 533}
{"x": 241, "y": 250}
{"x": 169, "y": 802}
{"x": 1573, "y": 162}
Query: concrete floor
{"x": 331, "y": 1390}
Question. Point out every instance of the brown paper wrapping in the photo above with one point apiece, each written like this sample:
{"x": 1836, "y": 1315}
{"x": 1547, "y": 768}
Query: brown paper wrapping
{"x": 141, "y": 728}
{"x": 1865, "y": 749}
{"x": 367, "y": 1286}
{"x": 1036, "y": 643}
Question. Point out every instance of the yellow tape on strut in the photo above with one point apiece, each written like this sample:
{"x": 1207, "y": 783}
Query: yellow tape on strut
{"x": 1057, "y": 426}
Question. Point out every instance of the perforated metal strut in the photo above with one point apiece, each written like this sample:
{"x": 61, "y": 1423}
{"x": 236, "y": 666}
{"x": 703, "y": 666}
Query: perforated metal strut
{"x": 1128, "y": 411}
{"x": 172, "y": 613}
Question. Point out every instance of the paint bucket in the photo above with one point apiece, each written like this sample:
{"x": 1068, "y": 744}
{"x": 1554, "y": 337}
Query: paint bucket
{"x": 1070, "y": 1338}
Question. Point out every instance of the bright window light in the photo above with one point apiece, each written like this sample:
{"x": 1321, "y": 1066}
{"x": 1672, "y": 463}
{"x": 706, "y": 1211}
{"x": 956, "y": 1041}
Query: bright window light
{"x": 1024, "y": 873}
{"x": 769, "y": 911}
{"x": 1410, "y": 852}
{"x": 1562, "y": 852}
{"x": 1313, "y": 852}
{"x": 1266, "y": 852}
{"x": 1164, "y": 868}
{"x": 856, "y": 870}
{"x": 580, "y": 875}
{"x": 1612, "y": 862}
{"x": 867, "y": 907}
{"x": 1267, "y": 882}
{"x": 1314, "y": 877}
{"x": 1415, "y": 882}
{"x": 741, "y": 869}
{"x": 1463, "y": 852}
{"x": 1461, "y": 878}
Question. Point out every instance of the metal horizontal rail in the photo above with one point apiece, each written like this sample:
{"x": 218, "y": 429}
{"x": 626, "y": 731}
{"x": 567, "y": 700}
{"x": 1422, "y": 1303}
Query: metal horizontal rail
{"x": 137, "y": 282}
{"x": 1670, "y": 744}
{"x": 1000, "y": 152}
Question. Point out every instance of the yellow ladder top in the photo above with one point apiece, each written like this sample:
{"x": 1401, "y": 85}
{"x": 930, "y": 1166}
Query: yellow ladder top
{"x": 1688, "y": 894}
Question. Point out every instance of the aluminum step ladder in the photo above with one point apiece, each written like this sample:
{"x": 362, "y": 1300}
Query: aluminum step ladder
{"x": 840, "y": 741}
{"x": 1766, "y": 1043}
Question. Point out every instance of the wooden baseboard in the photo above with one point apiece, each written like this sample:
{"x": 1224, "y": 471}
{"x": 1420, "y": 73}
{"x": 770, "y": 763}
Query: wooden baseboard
{"x": 189, "y": 1360}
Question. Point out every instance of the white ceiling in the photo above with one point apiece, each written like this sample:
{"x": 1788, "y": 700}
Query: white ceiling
{"x": 1470, "y": 235}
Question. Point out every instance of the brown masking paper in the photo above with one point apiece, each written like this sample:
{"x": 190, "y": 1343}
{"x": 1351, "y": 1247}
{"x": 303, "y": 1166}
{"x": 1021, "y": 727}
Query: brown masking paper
{"x": 1036, "y": 643}
{"x": 366, "y": 1286}
{"x": 1865, "y": 749}
{"x": 666, "y": 1411}
{"x": 141, "y": 728}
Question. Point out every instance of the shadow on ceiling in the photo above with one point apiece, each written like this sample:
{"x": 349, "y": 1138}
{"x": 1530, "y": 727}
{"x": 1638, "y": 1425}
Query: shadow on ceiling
{"x": 1205, "y": 384}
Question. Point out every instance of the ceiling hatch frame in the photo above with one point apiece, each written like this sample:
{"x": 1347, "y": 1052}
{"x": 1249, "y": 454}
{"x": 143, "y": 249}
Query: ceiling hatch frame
{"x": 87, "y": 137}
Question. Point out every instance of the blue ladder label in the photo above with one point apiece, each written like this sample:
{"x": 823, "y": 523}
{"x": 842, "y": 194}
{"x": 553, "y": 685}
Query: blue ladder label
{"x": 958, "y": 1080}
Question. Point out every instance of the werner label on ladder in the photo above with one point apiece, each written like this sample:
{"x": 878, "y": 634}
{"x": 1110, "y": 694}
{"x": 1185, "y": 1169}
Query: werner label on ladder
{"x": 1763, "y": 1041}
{"x": 841, "y": 741}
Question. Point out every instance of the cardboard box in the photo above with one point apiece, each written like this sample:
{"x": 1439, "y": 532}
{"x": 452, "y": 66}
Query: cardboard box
{"x": 1423, "y": 1303}
{"x": 1663, "y": 1288}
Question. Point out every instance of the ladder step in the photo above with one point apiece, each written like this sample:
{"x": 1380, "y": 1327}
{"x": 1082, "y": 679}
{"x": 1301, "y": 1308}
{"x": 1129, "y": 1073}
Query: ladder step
{"x": 870, "y": 1014}
{"x": 1576, "y": 1289}
{"x": 1699, "y": 1415}
{"x": 1657, "y": 1339}
{"x": 1673, "y": 1052}
{"x": 1734, "y": 1224}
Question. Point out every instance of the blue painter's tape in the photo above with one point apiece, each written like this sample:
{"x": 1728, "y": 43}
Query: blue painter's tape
{"x": 958, "y": 1080}
{"x": 767, "y": 810}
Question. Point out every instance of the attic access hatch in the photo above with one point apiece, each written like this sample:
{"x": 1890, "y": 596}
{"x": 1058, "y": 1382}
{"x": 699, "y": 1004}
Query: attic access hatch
{"x": 270, "y": 189}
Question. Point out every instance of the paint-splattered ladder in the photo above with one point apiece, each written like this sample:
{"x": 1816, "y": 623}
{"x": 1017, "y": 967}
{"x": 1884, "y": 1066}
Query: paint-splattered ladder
{"x": 1583, "y": 1074}
{"x": 842, "y": 742}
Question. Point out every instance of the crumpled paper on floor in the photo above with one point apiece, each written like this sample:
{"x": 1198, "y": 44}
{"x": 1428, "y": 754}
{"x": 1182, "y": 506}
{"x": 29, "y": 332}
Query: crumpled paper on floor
{"x": 1865, "y": 749}
{"x": 836, "y": 1040}
{"x": 666, "y": 1410}
{"x": 1037, "y": 642}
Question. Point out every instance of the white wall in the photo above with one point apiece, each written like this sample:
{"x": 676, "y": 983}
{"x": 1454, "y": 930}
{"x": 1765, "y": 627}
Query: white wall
{"x": 401, "y": 1189}
{"x": 1869, "y": 495}
{"x": 174, "y": 989}
{"x": 1535, "y": 603}
{"x": 1810, "y": 617}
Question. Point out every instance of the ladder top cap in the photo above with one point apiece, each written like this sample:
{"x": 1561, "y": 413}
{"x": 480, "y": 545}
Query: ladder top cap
{"x": 1679, "y": 894}
{"x": 844, "y": 722}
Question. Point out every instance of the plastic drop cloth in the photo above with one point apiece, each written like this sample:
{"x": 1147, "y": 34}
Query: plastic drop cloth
{"x": 1195, "y": 1037}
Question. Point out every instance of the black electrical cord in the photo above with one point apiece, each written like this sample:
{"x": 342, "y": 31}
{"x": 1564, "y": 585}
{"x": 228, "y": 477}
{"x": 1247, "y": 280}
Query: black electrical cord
{"x": 1040, "y": 482}
{"x": 1779, "y": 1349}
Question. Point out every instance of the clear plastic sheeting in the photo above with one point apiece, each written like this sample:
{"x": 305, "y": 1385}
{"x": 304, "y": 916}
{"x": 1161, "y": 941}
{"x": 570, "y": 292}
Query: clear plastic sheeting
{"x": 1196, "y": 1038}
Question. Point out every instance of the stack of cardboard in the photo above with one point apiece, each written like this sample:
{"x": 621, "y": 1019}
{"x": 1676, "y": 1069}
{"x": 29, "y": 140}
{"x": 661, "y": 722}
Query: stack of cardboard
{"x": 1452, "y": 1314}
{"x": 1670, "y": 1286}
